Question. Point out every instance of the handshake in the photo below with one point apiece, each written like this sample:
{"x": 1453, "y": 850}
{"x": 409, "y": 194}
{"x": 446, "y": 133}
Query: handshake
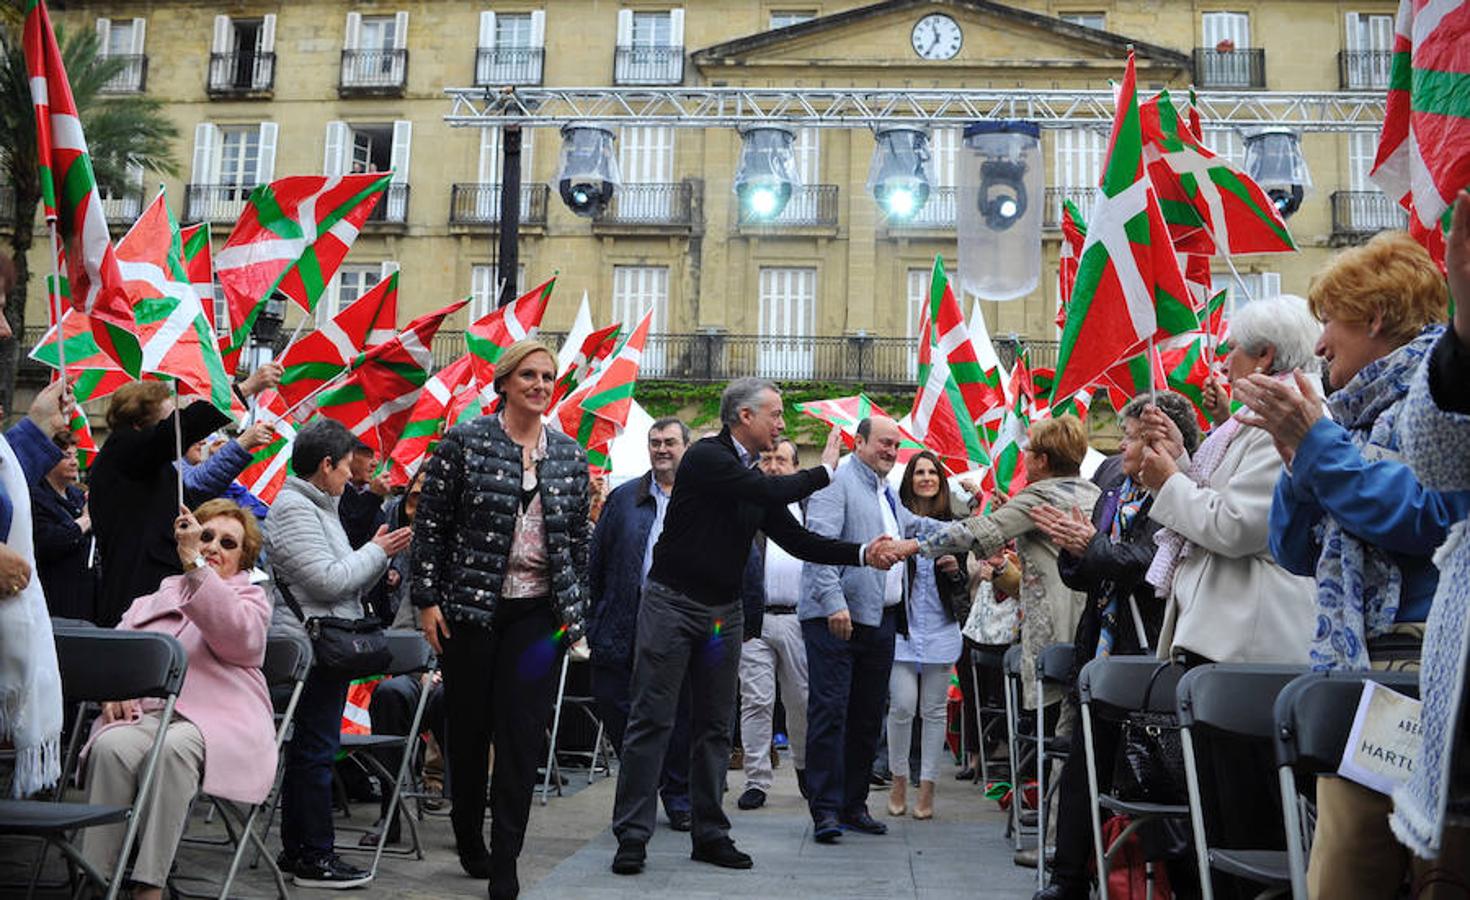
{"x": 884, "y": 551}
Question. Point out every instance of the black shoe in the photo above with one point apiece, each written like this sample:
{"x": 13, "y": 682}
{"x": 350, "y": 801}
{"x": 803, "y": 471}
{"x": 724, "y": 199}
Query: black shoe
{"x": 1056, "y": 891}
{"x": 681, "y": 820}
{"x": 721, "y": 852}
{"x": 806, "y": 793}
{"x": 861, "y": 821}
{"x": 753, "y": 798}
{"x": 329, "y": 872}
{"x": 504, "y": 885}
{"x": 476, "y": 865}
{"x": 965, "y": 774}
{"x": 880, "y": 779}
{"x": 827, "y": 830}
{"x": 286, "y": 862}
{"x": 629, "y": 859}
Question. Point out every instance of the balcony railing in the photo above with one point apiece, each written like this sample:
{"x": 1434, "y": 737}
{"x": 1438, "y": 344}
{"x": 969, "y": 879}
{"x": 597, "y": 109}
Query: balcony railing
{"x": 241, "y": 74}
{"x": 1363, "y": 69}
{"x": 938, "y": 212}
{"x": 650, "y": 204}
{"x": 497, "y": 66}
{"x": 393, "y": 208}
{"x": 1245, "y": 68}
{"x": 132, "y": 78}
{"x": 812, "y": 205}
{"x": 648, "y": 65}
{"x": 479, "y": 204}
{"x": 215, "y": 202}
{"x": 123, "y": 210}
{"x": 373, "y": 72}
{"x": 1083, "y": 197}
{"x": 1358, "y": 215}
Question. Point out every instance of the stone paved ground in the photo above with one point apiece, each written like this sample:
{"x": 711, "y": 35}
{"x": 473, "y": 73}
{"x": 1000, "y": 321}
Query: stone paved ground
{"x": 960, "y": 853}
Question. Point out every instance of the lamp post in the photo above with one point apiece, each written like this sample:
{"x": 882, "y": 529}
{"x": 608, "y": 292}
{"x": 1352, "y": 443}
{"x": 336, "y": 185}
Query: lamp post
{"x": 509, "y": 256}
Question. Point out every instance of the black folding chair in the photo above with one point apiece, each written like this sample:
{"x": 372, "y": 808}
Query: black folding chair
{"x": 411, "y": 656}
{"x": 99, "y": 665}
{"x": 1109, "y": 688}
{"x": 1235, "y": 700}
{"x": 1053, "y": 669}
{"x": 1314, "y": 716}
{"x": 988, "y": 716}
{"x": 1017, "y": 722}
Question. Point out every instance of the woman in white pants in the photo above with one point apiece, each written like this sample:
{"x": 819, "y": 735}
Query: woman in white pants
{"x": 927, "y": 645}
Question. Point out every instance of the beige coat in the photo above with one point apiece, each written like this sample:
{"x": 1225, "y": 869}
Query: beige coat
{"x": 1049, "y": 609}
{"x": 1231, "y": 602}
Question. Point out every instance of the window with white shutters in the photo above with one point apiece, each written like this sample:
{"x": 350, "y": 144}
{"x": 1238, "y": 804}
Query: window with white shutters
{"x": 486, "y": 205}
{"x": 1363, "y": 208}
{"x": 357, "y": 148}
{"x": 1368, "y": 53}
{"x": 1224, "y": 142}
{"x": 350, "y": 282}
{"x": 918, "y": 295}
{"x": 375, "y": 51}
{"x": 806, "y": 152}
{"x": 939, "y": 210}
{"x": 788, "y": 299}
{"x": 239, "y": 155}
{"x": 1077, "y": 161}
{"x": 511, "y": 48}
{"x": 636, "y": 291}
{"x": 121, "y": 40}
{"x": 1251, "y": 286}
{"x": 484, "y": 279}
{"x": 650, "y": 47}
{"x": 242, "y": 58}
{"x": 646, "y": 157}
{"x": 1224, "y": 56}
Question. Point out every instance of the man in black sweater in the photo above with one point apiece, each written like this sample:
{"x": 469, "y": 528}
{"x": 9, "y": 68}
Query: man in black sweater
{"x": 691, "y": 618}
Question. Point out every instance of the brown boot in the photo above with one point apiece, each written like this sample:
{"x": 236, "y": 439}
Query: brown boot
{"x": 924, "y": 806}
{"x": 898, "y": 796}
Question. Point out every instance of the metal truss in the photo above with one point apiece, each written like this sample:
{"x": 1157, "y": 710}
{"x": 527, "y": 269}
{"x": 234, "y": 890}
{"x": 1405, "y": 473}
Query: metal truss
{"x": 731, "y": 107}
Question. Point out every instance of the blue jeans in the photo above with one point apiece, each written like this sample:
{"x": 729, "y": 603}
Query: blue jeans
{"x": 306, "y": 791}
{"x": 847, "y": 686}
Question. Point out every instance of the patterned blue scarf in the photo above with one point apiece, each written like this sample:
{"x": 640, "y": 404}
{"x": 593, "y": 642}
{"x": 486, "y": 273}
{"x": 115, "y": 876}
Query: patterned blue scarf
{"x": 1358, "y": 585}
{"x": 1129, "y": 500}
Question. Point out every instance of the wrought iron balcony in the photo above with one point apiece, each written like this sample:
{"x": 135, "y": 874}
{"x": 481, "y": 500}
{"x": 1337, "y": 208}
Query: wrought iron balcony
{"x": 132, "y": 78}
{"x": 373, "y": 72}
{"x": 810, "y": 206}
{"x": 479, "y": 204}
{"x": 216, "y": 203}
{"x": 392, "y": 209}
{"x": 1358, "y": 215}
{"x": 498, "y": 66}
{"x": 123, "y": 210}
{"x": 648, "y": 65}
{"x": 938, "y": 212}
{"x": 1245, "y": 68}
{"x": 1083, "y": 197}
{"x": 242, "y": 74}
{"x": 650, "y": 204}
{"x": 1359, "y": 70}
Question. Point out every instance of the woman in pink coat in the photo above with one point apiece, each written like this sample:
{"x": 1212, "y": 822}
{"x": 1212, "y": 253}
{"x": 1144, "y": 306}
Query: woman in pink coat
{"x": 222, "y": 729}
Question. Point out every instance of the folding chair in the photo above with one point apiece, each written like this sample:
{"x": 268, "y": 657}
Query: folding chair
{"x": 600, "y": 746}
{"x": 1232, "y": 700}
{"x": 987, "y": 717}
{"x": 287, "y": 662}
{"x": 1111, "y": 687}
{"x": 99, "y": 665}
{"x": 411, "y": 656}
{"x": 1017, "y": 721}
{"x": 1314, "y": 715}
{"x": 1053, "y": 668}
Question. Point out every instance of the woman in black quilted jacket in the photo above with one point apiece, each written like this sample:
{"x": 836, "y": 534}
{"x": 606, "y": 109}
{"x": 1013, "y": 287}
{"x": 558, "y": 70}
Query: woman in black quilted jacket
{"x": 500, "y": 582}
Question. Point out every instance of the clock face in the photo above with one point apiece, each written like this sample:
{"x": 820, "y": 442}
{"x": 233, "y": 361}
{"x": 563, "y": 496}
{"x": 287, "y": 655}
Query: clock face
{"x": 937, "y": 37}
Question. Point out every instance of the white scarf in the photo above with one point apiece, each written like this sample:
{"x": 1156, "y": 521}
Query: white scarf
{"x": 30, "y": 682}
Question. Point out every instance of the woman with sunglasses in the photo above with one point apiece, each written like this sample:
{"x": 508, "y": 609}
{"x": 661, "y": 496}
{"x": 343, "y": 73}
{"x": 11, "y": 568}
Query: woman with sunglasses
{"x": 222, "y": 732}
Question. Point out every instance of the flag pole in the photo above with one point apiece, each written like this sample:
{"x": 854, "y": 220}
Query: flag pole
{"x": 178, "y": 443}
{"x": 55, "y": 296}
{"x": 250, "y": 420}
{"x": 1153, "y": 387}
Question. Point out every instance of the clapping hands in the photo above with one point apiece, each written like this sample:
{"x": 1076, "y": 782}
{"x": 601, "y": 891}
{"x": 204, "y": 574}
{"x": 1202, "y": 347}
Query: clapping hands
{"x": 1070, "y": 531}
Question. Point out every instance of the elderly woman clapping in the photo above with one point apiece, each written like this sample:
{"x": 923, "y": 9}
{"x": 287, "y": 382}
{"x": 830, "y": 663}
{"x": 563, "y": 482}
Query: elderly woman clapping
{"x": 222, "y": 729}
{"x": 1350, "y": 513}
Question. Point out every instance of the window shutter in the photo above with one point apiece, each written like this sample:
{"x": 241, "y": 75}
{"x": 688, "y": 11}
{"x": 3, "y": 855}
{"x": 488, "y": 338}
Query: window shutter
{"x": 676, "y": 27}
{"x": 265, "y": 168}
{"x": 140, "y": 28}
{"x": 354, "y": 28}
{"x": 386, "y": 268}
{"x": 625, "y": 27}
{"x": 402, "y": 141}
{"x": 487, "y": 31}
{"x": 1270, "y": 284}
{"x": 400, "y": 30}
{"x": 1354, "y": 35}
{"x": 489, "y": 167}
{"x": 538, "y": 28}
{"x": 221, "y": 35}
{"x": 104, "y": 36}
{"x": 334, "y": 160}
{"x": 267, "y": 38}
{"x": 206, "y": 160}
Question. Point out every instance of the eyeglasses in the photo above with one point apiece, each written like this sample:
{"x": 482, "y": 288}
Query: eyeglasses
{"x": 225, "y": 541}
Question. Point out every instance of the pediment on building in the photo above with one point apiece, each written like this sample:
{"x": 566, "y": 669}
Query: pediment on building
{"x": 997, "y": 40}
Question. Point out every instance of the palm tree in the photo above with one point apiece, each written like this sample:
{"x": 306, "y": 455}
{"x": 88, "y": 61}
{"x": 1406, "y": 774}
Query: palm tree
{"x": 122, "y": 132}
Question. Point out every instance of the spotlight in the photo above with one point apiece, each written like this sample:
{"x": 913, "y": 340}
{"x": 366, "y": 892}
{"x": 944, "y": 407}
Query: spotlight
{"x": 766, "y": 174}
{"x": 588, "y": 175}
{"x": 900, "y": 173}
{"x": 1274, "y": 160}
{"x": 1002, "y": 193}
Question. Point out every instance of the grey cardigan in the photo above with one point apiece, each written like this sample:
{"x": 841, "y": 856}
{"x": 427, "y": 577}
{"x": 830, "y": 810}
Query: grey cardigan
{"x": 308, "y": 550}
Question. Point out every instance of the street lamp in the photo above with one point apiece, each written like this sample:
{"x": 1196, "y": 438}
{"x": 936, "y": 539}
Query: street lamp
{"x": 766, "y": 173}
{"x": 901, "y": 172}
{"x": 1274, "y": 160}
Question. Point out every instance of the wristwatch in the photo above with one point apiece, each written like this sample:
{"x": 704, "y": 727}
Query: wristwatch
{"x": 197, "y": 562}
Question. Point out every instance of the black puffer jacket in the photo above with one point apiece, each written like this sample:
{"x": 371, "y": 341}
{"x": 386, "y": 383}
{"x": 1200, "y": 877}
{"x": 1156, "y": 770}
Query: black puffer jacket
{"x": 467, "y": 513}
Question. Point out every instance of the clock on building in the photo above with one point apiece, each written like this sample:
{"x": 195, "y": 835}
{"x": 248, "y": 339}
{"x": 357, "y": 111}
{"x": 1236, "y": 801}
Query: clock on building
{"x": 937, "y": 37}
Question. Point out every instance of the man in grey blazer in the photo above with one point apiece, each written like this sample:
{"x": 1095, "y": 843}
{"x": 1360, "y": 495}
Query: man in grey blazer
{"x": 848, "y": 618}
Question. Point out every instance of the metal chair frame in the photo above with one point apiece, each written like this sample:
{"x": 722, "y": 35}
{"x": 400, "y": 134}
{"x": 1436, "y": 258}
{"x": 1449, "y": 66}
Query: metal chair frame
{"x": 601, "y": 746}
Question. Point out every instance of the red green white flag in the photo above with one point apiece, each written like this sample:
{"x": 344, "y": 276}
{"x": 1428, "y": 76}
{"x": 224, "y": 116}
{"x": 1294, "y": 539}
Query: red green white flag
{"x": 1186, "y": 369}
{"x": 291, "y": 238}
{"x": 1138, "y": 374}
{"x": 267, "y": 470}
{"x": 94, "y": 373}
{"x": 70, "y": 197}
{"x": 321, "y": 355}
{"x": 1008, "y": 469}
{"x": 488, "y": 336}
{"x": 596, "y": 412}
{"x": 427, "y": 420}
{"x": 979, "y": 387}
{"x": 939, "y": 417}
{"x": 199, "y": 266}
{"x": 844, "y": 414}
{"x": 596, "y": 347}
{"x": 1423, "y": 158}
{"x": 1127, "y": 269}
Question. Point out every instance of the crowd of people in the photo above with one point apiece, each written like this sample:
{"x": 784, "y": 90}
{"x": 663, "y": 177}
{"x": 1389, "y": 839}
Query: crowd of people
{"x": 1282, "y": 518}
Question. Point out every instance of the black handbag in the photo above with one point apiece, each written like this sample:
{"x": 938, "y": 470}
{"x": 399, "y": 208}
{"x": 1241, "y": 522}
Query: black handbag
{"x": 1150, "y": 764}
{"x": 345, "y": 648}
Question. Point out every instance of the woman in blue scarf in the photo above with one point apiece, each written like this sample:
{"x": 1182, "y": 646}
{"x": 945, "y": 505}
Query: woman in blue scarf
{"x": 1348, "y": 511}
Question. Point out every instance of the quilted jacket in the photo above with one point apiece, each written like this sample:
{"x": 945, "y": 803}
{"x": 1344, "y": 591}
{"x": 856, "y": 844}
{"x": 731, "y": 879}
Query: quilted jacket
{"x": 308, "y": 550}
{"x": 467, "y": 514}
